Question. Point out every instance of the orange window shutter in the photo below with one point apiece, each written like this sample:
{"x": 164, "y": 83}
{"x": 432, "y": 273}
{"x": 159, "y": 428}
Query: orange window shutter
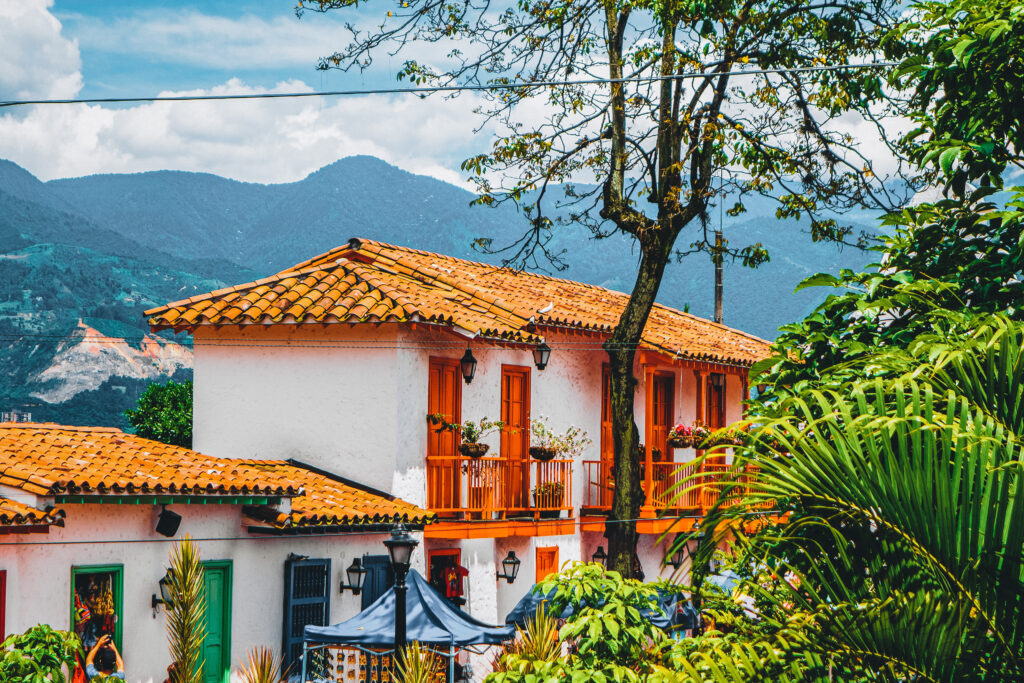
{"x": 547, "y": 562}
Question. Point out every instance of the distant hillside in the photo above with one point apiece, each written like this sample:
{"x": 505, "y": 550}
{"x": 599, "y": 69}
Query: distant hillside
{"x": 81, "y": 258}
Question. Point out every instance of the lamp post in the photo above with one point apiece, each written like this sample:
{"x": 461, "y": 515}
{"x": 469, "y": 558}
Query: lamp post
{"x": 400, "y": 547}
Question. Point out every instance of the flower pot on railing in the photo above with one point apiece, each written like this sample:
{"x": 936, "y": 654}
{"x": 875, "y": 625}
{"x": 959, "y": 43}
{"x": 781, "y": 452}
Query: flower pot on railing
{"x": 543, "y": 453}
{"x": 473, "y": 450}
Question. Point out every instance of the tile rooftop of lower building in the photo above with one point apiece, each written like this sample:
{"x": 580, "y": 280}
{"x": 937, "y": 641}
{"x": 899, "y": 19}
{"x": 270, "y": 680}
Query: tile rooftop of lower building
{"x": 15, "y": 514}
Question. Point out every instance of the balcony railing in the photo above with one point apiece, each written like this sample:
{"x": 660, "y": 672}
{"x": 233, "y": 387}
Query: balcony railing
{"x": 495, "y": 488}
{"x": 673, "y": 485}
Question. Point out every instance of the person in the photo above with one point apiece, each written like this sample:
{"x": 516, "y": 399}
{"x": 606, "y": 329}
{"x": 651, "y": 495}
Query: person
{"x": 104, "y": 659}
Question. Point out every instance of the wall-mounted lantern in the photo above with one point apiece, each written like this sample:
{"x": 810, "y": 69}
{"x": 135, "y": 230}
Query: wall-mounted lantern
{"x": 541, "y": 355}
{"x": 355, "y": 573}
{"x": 511, "y": 567}
{"x": 165, "y": 592}
{"x": 676, "y": 559}
{"x": 468, "y": 364}
{"x": 600, "y": 556}
{"x": 717, "y": 380}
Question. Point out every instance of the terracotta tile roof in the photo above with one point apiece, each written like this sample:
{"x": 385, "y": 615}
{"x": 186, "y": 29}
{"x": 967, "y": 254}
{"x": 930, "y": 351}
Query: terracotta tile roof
{"x": 48, "y": 459}
{"x": 15, "y": 514}
{"x": 366, "y": 281}
{"x": 329, "y": 501}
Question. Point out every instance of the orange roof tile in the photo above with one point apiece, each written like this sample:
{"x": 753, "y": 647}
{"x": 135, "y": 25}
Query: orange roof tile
{"x": 48, "y": 459}
{"x": 15, "y": 514}
{"x": 366, "y": 281}
{"x": 328, "y": 501}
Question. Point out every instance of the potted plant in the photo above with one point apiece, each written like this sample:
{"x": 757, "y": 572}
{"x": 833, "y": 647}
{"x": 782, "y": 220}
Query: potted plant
{"x": 549, "y": 495}
{"x": 681, "y": 436}
{"x": 546, "y": 444}
{"x": 469, "y": 433}
{"x": 700, "y": 435}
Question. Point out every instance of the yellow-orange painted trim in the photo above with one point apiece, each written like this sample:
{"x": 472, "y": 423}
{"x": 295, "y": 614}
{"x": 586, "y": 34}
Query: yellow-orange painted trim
{"x": 501, "y": 529}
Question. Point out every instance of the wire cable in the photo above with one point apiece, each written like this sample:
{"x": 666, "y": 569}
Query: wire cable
{"x": 425, "y": 90}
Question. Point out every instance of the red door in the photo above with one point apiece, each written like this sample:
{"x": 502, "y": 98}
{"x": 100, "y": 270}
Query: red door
{"x": 444, "y": 397}
{"x": 661, "y": 412}
{"x": 515, "y": 436}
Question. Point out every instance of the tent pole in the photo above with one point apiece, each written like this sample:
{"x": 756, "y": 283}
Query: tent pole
{"x": 305, "y": 652}
{"x": 451, "y": 663}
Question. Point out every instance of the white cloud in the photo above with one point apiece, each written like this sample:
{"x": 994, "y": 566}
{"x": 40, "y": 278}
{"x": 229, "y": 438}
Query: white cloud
{"x": 226, "y": 43}
{"x": 36, "y": 61}
{"x": 253, "y": 140}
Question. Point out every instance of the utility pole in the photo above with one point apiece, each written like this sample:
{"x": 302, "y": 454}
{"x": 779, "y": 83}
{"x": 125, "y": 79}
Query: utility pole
{"x": 719, "y": 316}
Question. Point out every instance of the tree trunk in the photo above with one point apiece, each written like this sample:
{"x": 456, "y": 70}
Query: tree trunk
{"x": 628, "y": 497}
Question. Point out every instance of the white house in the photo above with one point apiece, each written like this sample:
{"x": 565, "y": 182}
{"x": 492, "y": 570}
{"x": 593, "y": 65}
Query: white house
{"x": 338, "y": 361}
{"x": 88, "y": 516}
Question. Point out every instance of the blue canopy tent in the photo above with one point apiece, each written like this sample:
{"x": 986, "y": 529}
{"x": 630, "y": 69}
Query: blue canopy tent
{"x": 672, "y": 611}
{"x": 430, "y": 620}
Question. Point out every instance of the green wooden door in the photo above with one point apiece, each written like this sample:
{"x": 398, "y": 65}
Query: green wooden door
{"x": 216, "y": 660}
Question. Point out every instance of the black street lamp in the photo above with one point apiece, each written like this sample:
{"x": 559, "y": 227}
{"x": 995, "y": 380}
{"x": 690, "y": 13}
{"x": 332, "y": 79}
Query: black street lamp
{"x": 511, "y": 567}
{"x": 468, "y": 365}
{"x": 400, "y": 547}
{"x": 600, "y": 556}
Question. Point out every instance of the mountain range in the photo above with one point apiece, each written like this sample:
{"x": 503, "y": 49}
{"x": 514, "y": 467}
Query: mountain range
{"x": 81, "y": 258}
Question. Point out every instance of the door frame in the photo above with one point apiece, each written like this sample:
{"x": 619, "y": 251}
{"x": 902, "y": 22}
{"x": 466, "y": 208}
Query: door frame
{"x": 117, "y": 588}
{"x": 228, "y": 606}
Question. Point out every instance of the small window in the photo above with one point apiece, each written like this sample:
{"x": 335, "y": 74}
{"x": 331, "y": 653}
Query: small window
{"x": 96, "y": 603}
{"x": 307, "y": 602}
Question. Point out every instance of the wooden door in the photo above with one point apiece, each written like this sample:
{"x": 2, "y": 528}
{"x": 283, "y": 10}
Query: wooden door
{"x": 716, "y": 401}
{"x": 660, "y": 415}
{"x": 515, "y": 436}
{"x": 547, "y": 562}
{"x": 3, "y": 603}
{"x": 216, "y": 650}
{"x": 444, "y": 396}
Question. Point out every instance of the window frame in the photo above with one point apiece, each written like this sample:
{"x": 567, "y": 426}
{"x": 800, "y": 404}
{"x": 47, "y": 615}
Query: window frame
{"x": 117, "y": 588}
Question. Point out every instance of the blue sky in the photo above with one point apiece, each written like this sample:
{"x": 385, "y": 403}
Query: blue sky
{"x": 91, "y": 48}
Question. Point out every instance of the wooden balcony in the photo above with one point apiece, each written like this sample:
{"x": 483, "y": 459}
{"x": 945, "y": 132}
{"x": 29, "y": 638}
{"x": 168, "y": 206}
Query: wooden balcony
{"x": 672, "y": 486}
{"x": 496, "y": 488}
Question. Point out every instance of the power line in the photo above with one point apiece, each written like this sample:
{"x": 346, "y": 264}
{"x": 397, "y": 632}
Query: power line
{"x": 453, "y": 88}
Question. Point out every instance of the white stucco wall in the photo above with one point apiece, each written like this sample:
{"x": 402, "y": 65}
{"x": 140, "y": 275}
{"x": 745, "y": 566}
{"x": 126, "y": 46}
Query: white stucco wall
{"x": 39, "y": 574}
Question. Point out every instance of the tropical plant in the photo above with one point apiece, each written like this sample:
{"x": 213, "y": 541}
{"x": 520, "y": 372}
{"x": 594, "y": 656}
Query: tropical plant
{"x": 904, "y": 513}
{"x": 164, "y": 413}
{"x": 262, "y": 666}
{"x": 536, "y": 651}
{"x": 569, "y": 443}
{"x": 186, "y": 615}
{"x": 417, "y": 664}
{"x": 39, "y": 655}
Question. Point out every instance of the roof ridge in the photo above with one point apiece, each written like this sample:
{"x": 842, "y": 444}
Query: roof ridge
{"x": 65, "y": 428}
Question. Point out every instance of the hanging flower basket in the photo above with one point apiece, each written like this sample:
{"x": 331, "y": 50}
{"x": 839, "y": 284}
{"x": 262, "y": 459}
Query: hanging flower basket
{"x": 680, "y": 441}
{"x": 543, "y": 453}
{"x": 473, "y": 450}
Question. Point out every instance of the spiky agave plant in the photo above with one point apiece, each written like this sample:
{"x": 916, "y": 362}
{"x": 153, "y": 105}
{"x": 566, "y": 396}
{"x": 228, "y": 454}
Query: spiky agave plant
{"x": 535, "y": 645}
{"x": 417, "y": 664}
{"x": 262, "y": 666}
{"x": 186, "y": 615}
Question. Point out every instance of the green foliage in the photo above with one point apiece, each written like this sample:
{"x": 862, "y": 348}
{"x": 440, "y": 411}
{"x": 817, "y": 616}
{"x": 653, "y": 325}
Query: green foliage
{"x": 962, "y": 252}
{"x": 569, "y": 443}
{"x": 469, "y": 432}
{"x": 262, "y": 666}
{"x": 904, "y": 509}
{"x": 39, "y": 655}
{"x": 186, "y": 615}
{"x": 164, "y": 413}
{"x": 418, "y": 664}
